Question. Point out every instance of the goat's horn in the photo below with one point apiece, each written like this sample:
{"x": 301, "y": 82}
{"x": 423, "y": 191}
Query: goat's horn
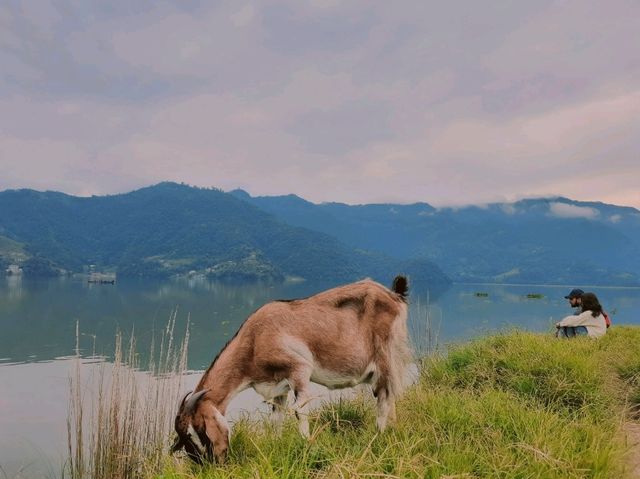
{"x": 193, "y": 400}
{"x": 183, "y": 400}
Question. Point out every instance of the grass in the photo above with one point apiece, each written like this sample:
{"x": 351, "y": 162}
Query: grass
{"x": 120, "y": 418}
{"x": 512, "y": 405}
{"x": 424, "y": 328}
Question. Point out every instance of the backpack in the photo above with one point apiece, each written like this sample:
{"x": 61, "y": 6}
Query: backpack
{"x": 607, "y": 319}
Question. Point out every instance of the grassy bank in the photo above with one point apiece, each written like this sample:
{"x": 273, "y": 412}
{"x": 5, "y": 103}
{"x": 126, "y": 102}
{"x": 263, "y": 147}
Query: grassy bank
{"x": 512, "y": 405}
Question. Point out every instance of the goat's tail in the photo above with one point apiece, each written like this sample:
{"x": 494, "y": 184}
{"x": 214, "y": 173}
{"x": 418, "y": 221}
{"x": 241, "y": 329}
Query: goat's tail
{"x": 400, "y": 285}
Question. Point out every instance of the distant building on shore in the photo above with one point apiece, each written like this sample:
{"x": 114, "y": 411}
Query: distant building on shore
{"x": 14, "y": 270}
{"x": 94, "y": 276}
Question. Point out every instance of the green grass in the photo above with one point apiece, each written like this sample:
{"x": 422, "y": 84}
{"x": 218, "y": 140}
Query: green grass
{"x": 514, "y": 405}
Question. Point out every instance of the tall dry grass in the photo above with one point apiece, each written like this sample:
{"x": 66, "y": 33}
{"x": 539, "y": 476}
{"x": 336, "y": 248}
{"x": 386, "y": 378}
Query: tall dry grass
{"x": 424, "y": 327}
{"x": 121, "y": 414}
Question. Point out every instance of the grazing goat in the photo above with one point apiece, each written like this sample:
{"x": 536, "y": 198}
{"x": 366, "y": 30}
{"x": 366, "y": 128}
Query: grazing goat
{"x": 339, "y": 338}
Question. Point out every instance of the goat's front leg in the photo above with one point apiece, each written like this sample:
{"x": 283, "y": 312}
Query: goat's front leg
{"x": 279, "y": 407}
{"x": 302, "y": 412}
{"x": 392, "y": 410}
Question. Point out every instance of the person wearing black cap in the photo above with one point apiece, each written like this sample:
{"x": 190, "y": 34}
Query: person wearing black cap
{"x": 575, "y": 299}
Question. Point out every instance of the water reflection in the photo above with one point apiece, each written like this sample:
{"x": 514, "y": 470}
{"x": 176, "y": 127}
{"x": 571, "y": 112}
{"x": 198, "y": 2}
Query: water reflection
{"x": 14, "y": 287}
{"x": 38, "y": 317}
{"x": 39, "y": 322}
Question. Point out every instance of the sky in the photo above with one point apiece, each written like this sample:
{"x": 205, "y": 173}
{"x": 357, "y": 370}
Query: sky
{"x": 451, "y": 103}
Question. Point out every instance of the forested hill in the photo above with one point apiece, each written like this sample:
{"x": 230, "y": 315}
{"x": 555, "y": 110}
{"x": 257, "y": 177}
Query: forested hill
{"x": 549, "y": 241}
{"x": 171, "y": 229}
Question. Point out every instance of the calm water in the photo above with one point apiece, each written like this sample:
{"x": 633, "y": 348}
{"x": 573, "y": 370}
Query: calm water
{"x": 38, "y": 322}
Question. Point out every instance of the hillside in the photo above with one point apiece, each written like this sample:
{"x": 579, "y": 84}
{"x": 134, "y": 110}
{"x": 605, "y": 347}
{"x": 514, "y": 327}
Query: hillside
{"x": 171, "y": 229}
{"x": 552, "y": 240}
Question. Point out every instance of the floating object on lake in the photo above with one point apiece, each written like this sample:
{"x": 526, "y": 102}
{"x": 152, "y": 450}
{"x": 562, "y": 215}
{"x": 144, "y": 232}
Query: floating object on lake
{"x": 102, "y": 278}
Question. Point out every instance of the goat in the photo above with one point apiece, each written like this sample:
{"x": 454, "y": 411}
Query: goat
{"x": 338, "y": 338}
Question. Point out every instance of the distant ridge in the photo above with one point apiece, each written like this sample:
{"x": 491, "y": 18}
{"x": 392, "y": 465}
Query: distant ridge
{"x": 170, "y": 228}
{"x": 551, "y": 240}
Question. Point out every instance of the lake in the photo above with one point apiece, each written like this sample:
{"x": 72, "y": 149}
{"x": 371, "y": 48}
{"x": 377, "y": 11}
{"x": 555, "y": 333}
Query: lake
{"x": 38, "y": 336}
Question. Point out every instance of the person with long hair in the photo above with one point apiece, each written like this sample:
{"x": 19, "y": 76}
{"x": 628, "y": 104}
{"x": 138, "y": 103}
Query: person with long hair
{"x": 590, "y": 322}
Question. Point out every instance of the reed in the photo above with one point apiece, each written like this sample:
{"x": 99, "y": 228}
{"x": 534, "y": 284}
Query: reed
{"x": 121, "y": 414}
{"x": 424, "y": 327}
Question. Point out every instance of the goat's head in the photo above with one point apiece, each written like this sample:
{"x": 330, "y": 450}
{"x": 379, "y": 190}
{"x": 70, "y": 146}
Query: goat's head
{"x": 202, "y": 430}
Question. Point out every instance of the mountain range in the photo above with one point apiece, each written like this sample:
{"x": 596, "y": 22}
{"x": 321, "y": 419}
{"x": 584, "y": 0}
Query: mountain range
{"x": 547, "y": 240}
{"x": 175, "y": 229}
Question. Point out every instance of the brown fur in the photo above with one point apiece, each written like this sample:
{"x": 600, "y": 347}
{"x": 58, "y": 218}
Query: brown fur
{"x": 346, "y": 329}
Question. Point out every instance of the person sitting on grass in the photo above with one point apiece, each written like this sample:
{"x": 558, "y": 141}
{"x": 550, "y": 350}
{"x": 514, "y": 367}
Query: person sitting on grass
{"x": 590, "y": 322}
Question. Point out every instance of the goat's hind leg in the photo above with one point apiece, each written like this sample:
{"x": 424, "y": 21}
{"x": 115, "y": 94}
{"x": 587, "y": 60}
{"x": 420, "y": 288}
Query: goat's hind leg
{"x": 300, "y": 386}
{"x": 385, "y": 404}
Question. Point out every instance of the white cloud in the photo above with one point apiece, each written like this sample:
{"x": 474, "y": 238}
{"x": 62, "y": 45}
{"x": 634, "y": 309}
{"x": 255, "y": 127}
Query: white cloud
{"x": 564, "y": 210}
{"x": 509, "y": 208}
{"x": 569, "y": 128}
